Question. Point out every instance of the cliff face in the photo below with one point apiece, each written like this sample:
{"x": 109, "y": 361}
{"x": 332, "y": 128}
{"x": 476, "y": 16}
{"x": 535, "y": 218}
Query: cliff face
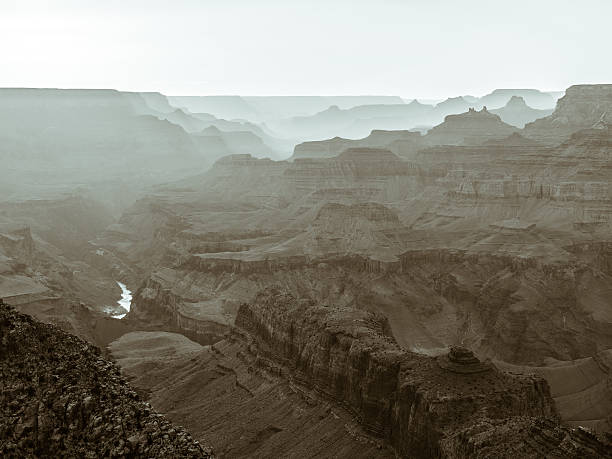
{"x": 155, "y": 305}
{"x": 505, "y": 305}
{"x": 238, "y": 401}
{"x": 417, "y": 403}
{"x": 58, "y": 397}
{"x": 364, "y": 173}
{"x": 581, "y": 107}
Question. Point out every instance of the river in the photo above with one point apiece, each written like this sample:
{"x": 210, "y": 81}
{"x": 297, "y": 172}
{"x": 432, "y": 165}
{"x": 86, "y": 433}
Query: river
{"x": 125, "y": 301}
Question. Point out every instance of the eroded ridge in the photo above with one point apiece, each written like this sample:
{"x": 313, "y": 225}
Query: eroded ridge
{"x": 419, "y": 406}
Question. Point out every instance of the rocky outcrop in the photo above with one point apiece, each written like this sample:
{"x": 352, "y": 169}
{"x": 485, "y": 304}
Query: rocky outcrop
{"x": 582, "y": 107}
{"x": 463, "y": 361}
{"x": 58, "y": 397}
{"x": 416, "y": 404}
{"x": 526, "y": 438}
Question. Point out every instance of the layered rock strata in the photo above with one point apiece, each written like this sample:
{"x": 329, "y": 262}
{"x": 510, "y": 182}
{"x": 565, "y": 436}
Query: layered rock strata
{"x": 582, "y": 107}
{"x": 416, "y": 404}
{"x": 239, "y": 402}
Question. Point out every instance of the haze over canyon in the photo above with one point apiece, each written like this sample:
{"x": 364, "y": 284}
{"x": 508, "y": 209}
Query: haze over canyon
{"x": 192, "y": 274}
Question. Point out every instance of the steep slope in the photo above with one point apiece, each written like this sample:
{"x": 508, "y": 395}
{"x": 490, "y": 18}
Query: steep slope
{"x": 582, "y": 107}
{"x": 225, "y": 396}
{"x": 58, "y": 397}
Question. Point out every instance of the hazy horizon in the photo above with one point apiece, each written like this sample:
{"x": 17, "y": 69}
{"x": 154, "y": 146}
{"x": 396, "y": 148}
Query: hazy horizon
{"x": 420, "y": 99}
{"x": 272, "y": 48}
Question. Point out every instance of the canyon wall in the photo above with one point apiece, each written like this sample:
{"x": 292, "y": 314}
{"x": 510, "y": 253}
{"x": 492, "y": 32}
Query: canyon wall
{"x": 581, "y": 107}
{"x": 158, "y": 307}
{"x": 418, "y": 404}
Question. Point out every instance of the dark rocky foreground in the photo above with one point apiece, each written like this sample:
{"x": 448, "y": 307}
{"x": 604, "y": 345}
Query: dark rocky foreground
{"x": 59, "y": 398}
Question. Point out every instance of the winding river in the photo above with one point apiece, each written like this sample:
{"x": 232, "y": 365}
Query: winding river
{"x": 125, "y": 301}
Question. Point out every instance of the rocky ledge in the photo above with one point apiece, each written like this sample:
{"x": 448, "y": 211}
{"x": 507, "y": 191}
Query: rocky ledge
{"x": 421, "y": 406}
{"x": 59, "y": 398}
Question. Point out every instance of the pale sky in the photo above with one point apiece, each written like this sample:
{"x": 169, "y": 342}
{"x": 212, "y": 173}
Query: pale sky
{"x": 424, "y": 48}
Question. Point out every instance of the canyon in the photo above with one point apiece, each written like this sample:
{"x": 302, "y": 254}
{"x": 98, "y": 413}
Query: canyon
{"x": 416, "y": 293}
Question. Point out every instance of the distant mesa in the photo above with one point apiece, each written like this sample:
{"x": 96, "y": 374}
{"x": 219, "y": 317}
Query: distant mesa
{"x": 517, "y": 113}
{"x": 516, "y": 101}
{"x": 396, "y": 140}
{"x": 533, "y": 97}
{"x": 473, "y": 127}
{"x": 455, "y": 104}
